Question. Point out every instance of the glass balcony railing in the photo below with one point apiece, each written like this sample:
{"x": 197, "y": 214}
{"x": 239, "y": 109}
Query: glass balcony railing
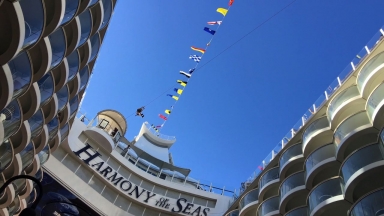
{"x": 33, "y": 12}
{"x": 85, "y": 25}
{"x": 251, "y": 196}
{"x": 14, "y": 207}
{"x": 290, "y": 153}
{"x": 70, "y": 10}
{"x": 46, "y": 86}
{"x": 44, "y": 155}
{"x": 73, "y": 60}
{"x": 107, "y": 5}
{"x": 269, "y": 205}
{"x": 233, "y": 213}
{"x": 53, "y": 127}
{"x": 343, "y": 96}
{"x": 6, "y": 155}
{"x": 324, "y": 191}
{"x": 62, "y": 97}
{"x": 303, "y": 211}
{"x": 58, "y": 46}
{"x": 349, "y": 125}
{"x": 374, "y": 100}
{"x": 39, "y": 175}
{"x": 31, "y": 198}
{"x": 314, "y": 127}
{"x": 64, "y": 131}
{"x": 368, "y": 69}
{"x": 95, "y": 46}
{"x": 74, "y": 105}
{"x": 27, "y": 155}
{"x": 319, "y": 155}
{"x": 11, "y": 118}
{"x": 269, "y": 176}
{"x": 36, "y": 123}
{"x": 371, "y": 204}
{"x": 19, "y": 185}
{"x": 84, "y": 77}
{"x": 292, "y": 182}
{"x": 92, "y": 2}
{"x": 21, "y": 73}
{"x": 361, "y": 158}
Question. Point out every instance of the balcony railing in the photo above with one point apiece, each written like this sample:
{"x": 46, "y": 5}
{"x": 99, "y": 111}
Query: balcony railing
{"x": 251, "y": 196}
{"x": 290, "y": 153}
{"x": 374, "y": 100}
{"x": 324, "y": 191}
{"x": 349, "y": 125}
{"x": 269, "y": 205}
{"x": 269, "y": 176}
{"x": 371, "y": 204}
{"x": 345, "y": 95}
{"x": 291, "y": 183}
{"x": 319, "y": 155}
{"x": 314, "y": 127}
{"x": 302, "y": 211}
{"x": 159, "y": 135}
{"x": 343, "y": 76}
{"x": 368, "y": 69}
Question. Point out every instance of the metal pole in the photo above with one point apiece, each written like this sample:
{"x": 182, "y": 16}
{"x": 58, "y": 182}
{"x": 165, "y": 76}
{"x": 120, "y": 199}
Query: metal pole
{"x": 353, "y": 66}
{"x": 367, "y": 49}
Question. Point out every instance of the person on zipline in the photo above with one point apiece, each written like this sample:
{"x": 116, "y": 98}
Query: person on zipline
{"x": 138, "y": 112}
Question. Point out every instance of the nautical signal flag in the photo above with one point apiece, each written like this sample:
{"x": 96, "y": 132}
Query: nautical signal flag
{"x": 231, "y": 2}
{"x": 153, "y": 126}
{"x": 191, "y": 70}
{"x": 168, "y": 111}
{"x": 179, "y": 91}
{"x": 163, "y": 117}
{"x": 172, "y": 96}
{"x": 182, "y": 83}
{"x": 195, "y": 58}
{"x": 214, "y": 23}
{"x": 222, "y": 11}
{"x": 198, "y": 49}
{"x": 185, "y": 74}
{"x": 210, "y": 31}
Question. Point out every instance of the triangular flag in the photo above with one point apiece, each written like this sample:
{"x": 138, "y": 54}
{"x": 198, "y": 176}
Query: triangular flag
{"x": 231, "y": 2}
{"x": 172, "y": 96}
{"x": 179, "y": 91}
{"x": 222, "y": 11}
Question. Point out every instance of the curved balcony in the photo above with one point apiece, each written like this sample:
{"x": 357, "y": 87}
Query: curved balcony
{"x": 21, "y": 138}
{"x": 71, "y": 7}
{"x": 73, "y": 64}
{"x": 64, "y": 131}
{"x": 34, "y": 15}
{"x": 74, "y": 105}
{"x": 53, "y": 127}
{"x": 46, "y": 86}
{"x": 6, "y": 155}
{"x": 72, "y": 32}
{"x": 233, "y": 213}
{"x": 55, "y": 142}
{"x": 291, "y": 160}
{"x": 107, "y": 6}
{"x": 371, "y": 75}
{"x": 92, "y": 2}
{"x": 269, "y": 207}
{"x": 19, "y": 185}
{"x": 316, "y": 134}
{"x": 12, "y": 22}
{"x": 73, "y": 86}
{"x": 293, "y": 192}
{"x": 344, "y": 104}
{"x": 374, "y": 106}
{"x": 62, "y": 97}
{"x": 11, "y": 118}
{"x": 21, "y": 73}
{"x": 85, "y": 53}
{"x": 44, "y": 155}
{"x": 41, "y": 58}
{"x": 14, "y": 207}
{"x": 54, "y": 15}
{"x": 95, "y": 46}
{"x": 269, "y": 183}
{"x": 31, "y": 198}
{"x": 50, "y": 109}
{"x": 30, "y": 101}
{"x": 249, "y": 201}
{"x": 27, "y": 155}
{"x": 41, "y": 140}
{"x": 58, "y": 45}
{"x": 84, "y": 77}
{"x": 321, "y": 165}
{"x": 85, "y": 25}
{"x": 370, "y": 204}
{"x": 301, "y": 211}
{"x": 97, "y": 17}
{"x": 36, "y": 122}
{"x": 351, "y": 132}
{"x": 327, "y": 199}
{"x": 362, "y": 171}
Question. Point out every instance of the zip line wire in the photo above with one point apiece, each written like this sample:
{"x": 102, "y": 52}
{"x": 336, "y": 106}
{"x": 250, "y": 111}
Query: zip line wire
{"x": 223, "y": 51}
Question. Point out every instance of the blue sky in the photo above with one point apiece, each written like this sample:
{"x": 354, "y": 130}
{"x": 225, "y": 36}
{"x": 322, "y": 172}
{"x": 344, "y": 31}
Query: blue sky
{"x": 241, "y": 104}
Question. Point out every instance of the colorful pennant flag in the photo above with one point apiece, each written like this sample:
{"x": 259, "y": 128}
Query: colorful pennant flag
{"x": 185, "y": 74}
{"x": 168, "y": 111}
{"x": 198, "y": 49}
{"x": 163, "y": 117}
{"x": 182, "y": 83}
{"x": 222, "y": 11}
{"x": 195, "y": 58}
{"x": 191, "y": 70}
{"x": 210, "y": 31}
{"x": 153, "y": 126}
{"x": 179, "y": 91}
{"x": 214, "y": 23}
{"x": 172, "y": 96}
{"x": 231, "y": 2}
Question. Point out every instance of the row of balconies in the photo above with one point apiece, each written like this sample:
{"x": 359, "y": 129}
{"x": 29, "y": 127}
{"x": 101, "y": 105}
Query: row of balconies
{"x": 336, "y": 163}
{"x": 46, "y": 65}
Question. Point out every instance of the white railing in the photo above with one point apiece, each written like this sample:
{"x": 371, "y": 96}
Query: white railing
{"x": 161, "y": 136}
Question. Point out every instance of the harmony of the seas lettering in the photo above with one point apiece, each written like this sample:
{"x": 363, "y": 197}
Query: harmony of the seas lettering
{"x": 134, "y": 191}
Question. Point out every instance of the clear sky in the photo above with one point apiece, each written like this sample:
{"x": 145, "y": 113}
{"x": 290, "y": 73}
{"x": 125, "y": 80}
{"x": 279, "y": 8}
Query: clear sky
{"x": 241, "y": 104}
